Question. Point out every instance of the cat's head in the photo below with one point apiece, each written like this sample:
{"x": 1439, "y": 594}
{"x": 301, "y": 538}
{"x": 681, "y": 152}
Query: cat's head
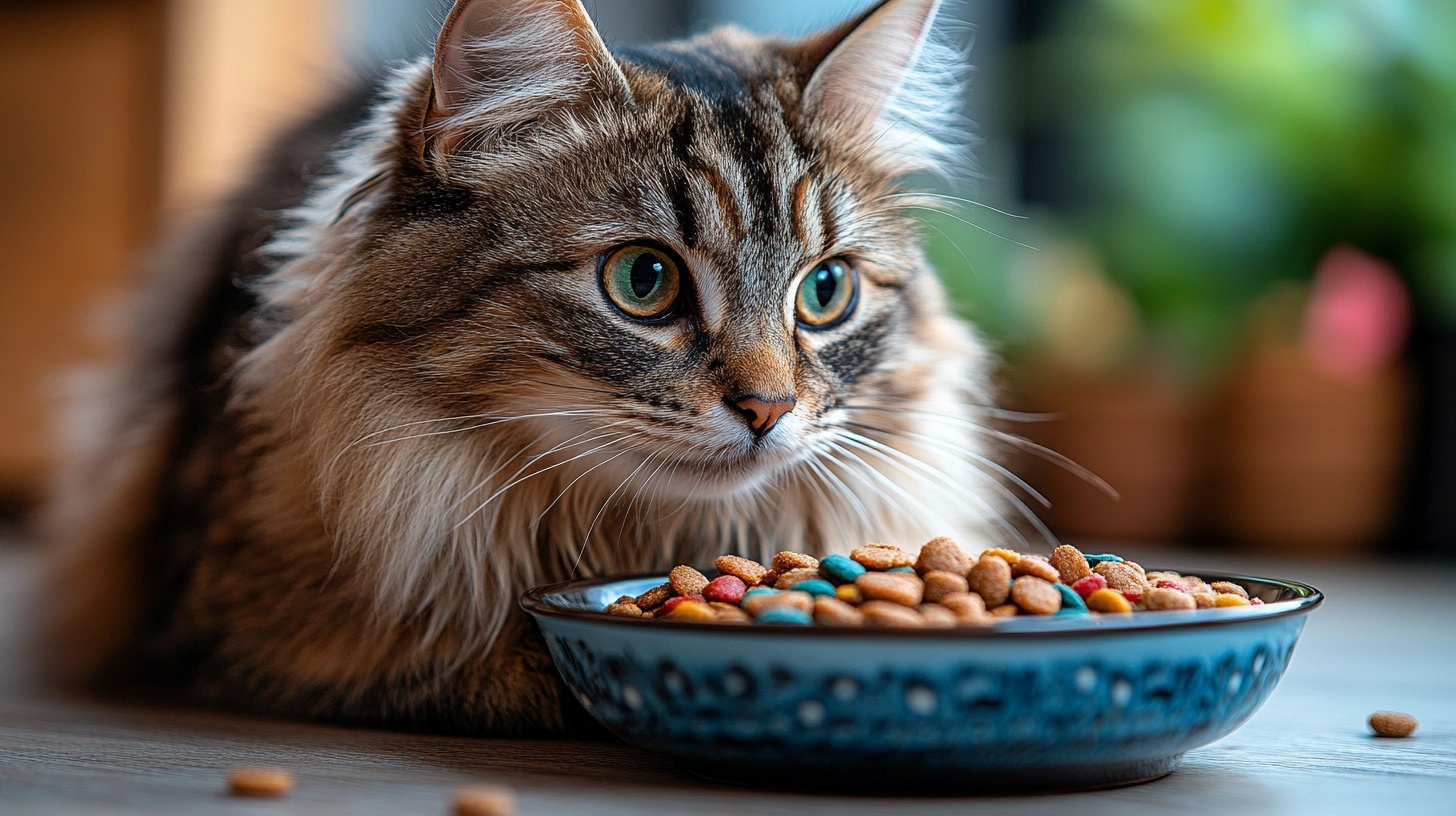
{"x": 692, "y": 263}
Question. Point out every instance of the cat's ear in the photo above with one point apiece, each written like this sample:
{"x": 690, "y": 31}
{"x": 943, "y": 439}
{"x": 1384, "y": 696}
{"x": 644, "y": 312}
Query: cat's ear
{"x": 885, "y": 74}
{"x": 505, "y": 65}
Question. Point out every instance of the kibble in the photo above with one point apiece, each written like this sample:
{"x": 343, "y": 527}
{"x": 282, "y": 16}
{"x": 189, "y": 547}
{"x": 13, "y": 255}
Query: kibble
{"x": 884, "y": 587}
{"x": 882, "y": 558}
{"x": 261, "y": 783}
{"x": 1035, "y": 595}
{"x": 483, "y": 801}
{"x": 943, "y": 555}
{"x": 941, "y": 587}
{"x": 1392, "y": 724}
{"x": 991, "y": 579}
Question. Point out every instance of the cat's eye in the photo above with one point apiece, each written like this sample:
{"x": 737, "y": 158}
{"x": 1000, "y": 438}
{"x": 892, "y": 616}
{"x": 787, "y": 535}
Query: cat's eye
{"x": 643, "y": 281}
{"x": 827, "y": 295}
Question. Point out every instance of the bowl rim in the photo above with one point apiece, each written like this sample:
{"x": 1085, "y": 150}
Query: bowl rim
{"x": 534, "y": 601}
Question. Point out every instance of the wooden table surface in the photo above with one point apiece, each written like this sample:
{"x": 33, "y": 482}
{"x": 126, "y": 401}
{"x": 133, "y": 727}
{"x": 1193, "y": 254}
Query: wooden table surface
{"x": 1385, "y": 639}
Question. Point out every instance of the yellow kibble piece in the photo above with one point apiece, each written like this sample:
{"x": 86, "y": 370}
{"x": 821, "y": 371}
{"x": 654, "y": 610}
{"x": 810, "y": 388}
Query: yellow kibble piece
{"x": 1009, "y": 556}
{"x": 850, "y": 594}
{"x": 484, "y": 801}
{"x": 693, "y": 611}
{"x": 1229, "y": 599}
{"x": 1109, "y": 601}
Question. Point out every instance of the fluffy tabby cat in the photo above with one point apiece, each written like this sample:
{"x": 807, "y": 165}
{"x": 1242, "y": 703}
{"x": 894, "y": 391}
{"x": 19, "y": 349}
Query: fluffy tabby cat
{"x": 530, "y": 310}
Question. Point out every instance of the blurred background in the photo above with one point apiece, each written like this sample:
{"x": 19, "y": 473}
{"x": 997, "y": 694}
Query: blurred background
{"x": 1214, "y": 240}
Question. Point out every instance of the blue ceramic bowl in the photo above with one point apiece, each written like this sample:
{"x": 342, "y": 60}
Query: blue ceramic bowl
{"x": 1029, "y": 704}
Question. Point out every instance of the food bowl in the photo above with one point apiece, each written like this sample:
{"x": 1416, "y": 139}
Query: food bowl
{"x": 1031, "y": 703}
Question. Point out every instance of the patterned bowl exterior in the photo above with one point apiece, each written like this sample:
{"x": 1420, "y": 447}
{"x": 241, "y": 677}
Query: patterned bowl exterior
{"x": 1032, "y": 703}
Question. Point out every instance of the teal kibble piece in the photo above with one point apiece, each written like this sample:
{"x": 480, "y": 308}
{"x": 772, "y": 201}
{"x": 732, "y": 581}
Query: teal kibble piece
{"x": 784, "y": 616}
{"x": 755, "y": 592}
{"x": 900, "y": 569}
{"x": 1094, "y": 560}
{"x": 1072, "y": 603}
{"x": 840, "y": 568}
{"x": 815, "y": 586}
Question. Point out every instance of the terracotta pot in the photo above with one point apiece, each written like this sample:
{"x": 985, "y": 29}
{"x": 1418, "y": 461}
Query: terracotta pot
{"x": 1141, "y": 435}
{"x": 1310, "y": 464}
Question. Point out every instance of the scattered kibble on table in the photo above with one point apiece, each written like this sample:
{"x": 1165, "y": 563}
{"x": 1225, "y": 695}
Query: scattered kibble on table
{"x": 1392, "y": 724}
{"x": 263, "y": 783}
{"x": 483, "y": 801}
{"x": 941, "y": 586}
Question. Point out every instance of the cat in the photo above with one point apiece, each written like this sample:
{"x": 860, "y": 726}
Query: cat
{"x": 527, "y": 310}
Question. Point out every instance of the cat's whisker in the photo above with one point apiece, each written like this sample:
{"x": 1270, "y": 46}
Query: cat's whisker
{"x": 971, "y": 457}
{"x": 547, "y": 415}
{"x": 615, "y": 438}
{"x": 989, "y": 410}
{"x": 867, "y": 472}
{"x": 995, "y": 484}
{"x": 955, "y": 199}
{"x": 586, "y": 539}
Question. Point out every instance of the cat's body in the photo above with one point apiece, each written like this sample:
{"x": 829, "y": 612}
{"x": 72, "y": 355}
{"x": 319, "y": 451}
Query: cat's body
{"x": 384, "y": 395}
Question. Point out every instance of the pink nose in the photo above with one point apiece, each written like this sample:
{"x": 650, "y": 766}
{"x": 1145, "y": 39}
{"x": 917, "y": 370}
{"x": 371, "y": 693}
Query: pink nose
{"x": 762, "y": 413}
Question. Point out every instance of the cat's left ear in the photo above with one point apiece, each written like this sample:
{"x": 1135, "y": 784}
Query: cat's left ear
{"x": 885, "y": 71}
{"x": 509, "y": 66}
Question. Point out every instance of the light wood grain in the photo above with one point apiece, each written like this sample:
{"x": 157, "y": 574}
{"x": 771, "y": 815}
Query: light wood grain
{"x": 1385, "y": 639}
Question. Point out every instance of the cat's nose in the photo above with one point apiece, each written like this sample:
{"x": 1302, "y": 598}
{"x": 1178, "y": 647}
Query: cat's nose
{"x": 762, "y": 413}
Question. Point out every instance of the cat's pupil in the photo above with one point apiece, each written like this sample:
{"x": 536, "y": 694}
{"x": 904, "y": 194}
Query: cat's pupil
{"x": 647, "y": 272}
{"x": 825, "y": 285}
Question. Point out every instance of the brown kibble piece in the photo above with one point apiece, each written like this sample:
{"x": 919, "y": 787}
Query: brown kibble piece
{"x": 1070, "y": 564}
{"x": 728, "y": 613}
{"x": 937, "y": 616}
{"x": 625, "y": 610}
{"x": 802, "y": 601}
{"x": 794, "y": 577}
{"x": 484, "y": 801}
{"x": 1037, "y": 567}
{"x": 968, "y": 608}
{"x": 881, "y": 557}
{"x": 943, "y": 555}
{"x": 1229, "y": 588}
{"x": 1121, "y": 577}
{"x": 1158, "y": 599}
{"x": 1036, "y": 595}
{"x": 653, "y": 598}
{"x": 903, "y": 589}
{"x": 687, "y": 581}
{"x": 1154, "y": 577}
{"x": 1203, "y": 596}
{"x": 939, "y": 584}
{"x": 750, "y": 572}
{"x": 1392, "y": 724}
{"x": 991, "y": 579}
{"x": 1009, "y": 610}
{"x": 265, "y": 783}
{"x": 789, "y": 561}
{"x": 885, "y": 613}
{"x": 832, "y": 612}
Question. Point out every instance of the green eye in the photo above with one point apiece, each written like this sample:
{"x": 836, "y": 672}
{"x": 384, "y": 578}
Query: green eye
{"x": 827, "y": 295}
{"x": 642, "y": 281}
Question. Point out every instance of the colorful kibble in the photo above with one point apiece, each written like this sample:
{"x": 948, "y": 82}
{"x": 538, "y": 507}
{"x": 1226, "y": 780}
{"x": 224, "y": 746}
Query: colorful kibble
{"x": 1089, "y": 585}
{"x": 260, "y": 783}
{"x": 840, "y": 568}
{"x": 484, "y": 801}
{"x": 883, "y": 585}
{"x": 784, "y": 616}
{"x": 726, "y": 589}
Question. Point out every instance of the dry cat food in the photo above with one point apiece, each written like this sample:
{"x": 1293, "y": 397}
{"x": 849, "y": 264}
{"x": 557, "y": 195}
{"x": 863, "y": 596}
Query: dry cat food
{"x": 483, "y": 801}
{"x": 268, "y": 783}
{"x": 942, "y": 586}
{"x": 1392, "y": 724}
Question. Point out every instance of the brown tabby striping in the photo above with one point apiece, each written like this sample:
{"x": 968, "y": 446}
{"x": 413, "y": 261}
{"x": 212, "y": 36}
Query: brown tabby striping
{"x": 528, "y": 311}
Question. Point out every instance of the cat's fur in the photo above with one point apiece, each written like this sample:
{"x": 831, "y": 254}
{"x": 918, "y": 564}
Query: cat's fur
{"x": 383, "y": 393}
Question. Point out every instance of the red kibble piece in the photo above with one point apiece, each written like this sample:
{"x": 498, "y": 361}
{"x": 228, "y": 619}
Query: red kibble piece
{"x": 1174, "y": 585}
{"x": 1090, "y": 584}
{"x": 1133, "y": 597}
{"x": 1255, "y": 602}
{"x": 727, "y": 589}
{"x": 673, "y": 603}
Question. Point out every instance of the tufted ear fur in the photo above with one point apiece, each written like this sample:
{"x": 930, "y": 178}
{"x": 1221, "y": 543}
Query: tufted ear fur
{"x": 505, "y": 68}
{"x": 884, "y": 78}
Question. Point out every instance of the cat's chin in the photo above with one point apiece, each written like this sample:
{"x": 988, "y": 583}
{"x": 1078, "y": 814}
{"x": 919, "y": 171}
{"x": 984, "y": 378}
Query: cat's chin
{"x": 725, "y": 477}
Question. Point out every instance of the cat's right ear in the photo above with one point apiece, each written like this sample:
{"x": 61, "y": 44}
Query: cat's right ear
{"x": 508, "y": 67}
